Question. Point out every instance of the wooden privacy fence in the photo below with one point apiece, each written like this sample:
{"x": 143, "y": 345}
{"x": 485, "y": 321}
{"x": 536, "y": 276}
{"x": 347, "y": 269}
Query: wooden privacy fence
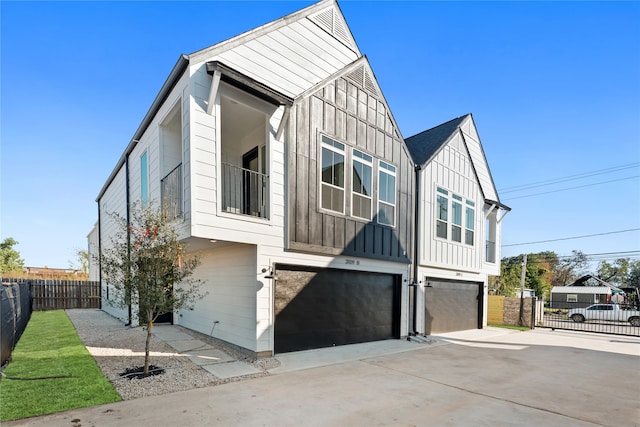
{"x": 62, "y": 294}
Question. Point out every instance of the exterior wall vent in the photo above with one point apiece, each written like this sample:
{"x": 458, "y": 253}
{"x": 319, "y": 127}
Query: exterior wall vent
{"x": 361, "y": 77}
{"x": 330, "y": 21}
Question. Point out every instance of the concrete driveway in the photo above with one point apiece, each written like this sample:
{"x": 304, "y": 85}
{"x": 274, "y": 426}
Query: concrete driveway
{"x": 489, "y": 377}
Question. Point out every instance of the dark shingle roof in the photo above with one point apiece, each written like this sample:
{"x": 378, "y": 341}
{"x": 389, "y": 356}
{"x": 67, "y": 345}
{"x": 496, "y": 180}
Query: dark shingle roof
{"x": 424, "y": 145}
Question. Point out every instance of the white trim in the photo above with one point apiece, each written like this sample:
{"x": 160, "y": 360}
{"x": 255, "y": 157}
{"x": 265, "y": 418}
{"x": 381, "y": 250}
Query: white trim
{"x": 368, "y": 163}
{"x": 213, "y": 91}
{"x": 395, "y": 191}
{"x": 321, "y": 183}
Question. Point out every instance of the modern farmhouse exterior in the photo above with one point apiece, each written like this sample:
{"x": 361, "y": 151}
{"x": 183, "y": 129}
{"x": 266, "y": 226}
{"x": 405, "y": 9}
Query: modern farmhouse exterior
{"x": 281, "y": 161}
{"x": 458, "y": 227}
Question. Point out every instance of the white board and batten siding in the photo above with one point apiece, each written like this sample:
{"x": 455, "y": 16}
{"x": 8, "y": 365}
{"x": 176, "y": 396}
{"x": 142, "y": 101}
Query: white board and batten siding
{"x": 112, "y": 202}
{"x": 114, "y": 199}
{"x": 208, "y": 220}
{"x": 227, "y": 274}
{"x": 289, "y": 56}
{"x": 451, "y": 170}
{"x": 489, "y": 192}
{"x": 480, "y": 164}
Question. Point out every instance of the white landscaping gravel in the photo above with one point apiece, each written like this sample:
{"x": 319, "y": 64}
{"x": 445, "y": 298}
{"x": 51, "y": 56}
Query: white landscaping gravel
{"x": 116, "y": 347}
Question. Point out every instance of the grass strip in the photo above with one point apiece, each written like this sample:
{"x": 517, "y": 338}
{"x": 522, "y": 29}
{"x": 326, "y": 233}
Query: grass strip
{"x": 50, "y": 347}
{"x": 518, "y": 328}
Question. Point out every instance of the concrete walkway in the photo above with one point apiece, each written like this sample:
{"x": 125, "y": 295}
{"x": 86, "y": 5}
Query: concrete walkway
{"x": 207, "y": 357}
{"x": 474, "y": 378}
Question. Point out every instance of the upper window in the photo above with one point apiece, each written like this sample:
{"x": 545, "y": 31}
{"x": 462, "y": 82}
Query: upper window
{"x": 347, "y": 183}
{"x": 456, "y": 218}
{"x": 332, "y": 175}
{"x": 452, "y": 213}
{"x": 144, "y": 180}
{"x": 386, "y": 194}
{"x": 442, "y": 213}
{"x": 470, "y": 221}
{"x": 361, "y": 185}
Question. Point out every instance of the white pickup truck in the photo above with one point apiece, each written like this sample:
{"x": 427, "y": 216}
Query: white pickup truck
{"x": 609, "y": 312}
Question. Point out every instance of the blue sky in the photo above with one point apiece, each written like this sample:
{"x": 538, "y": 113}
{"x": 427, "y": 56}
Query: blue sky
{"x": 554, "y": 88}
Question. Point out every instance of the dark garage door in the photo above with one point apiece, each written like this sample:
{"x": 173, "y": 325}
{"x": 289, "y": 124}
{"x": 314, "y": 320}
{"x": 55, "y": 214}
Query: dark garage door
{"x": 317, "y": 308}
{"x": 452, "y": 306}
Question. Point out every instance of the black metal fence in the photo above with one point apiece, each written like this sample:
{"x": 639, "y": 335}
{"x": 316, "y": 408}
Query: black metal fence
{"x": 15, "y": 312}
{"x": 171, "y": 192}
{"x": 598, "y": 318}
{"x": 244, "y": 191}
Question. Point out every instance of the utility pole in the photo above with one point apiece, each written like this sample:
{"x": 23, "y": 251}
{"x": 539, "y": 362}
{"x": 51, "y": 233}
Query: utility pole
{"x": 523, "y": 275}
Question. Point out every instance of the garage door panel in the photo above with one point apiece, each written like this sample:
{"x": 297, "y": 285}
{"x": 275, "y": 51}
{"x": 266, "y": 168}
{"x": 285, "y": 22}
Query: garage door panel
{"x": 317, "y": 308}
{"x": 451, "y": 306}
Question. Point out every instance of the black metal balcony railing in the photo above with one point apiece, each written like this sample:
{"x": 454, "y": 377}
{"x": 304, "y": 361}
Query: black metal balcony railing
{"x": 490, "y": 254}
{"x": 244, "y": 191}
{"x": 171, "y": 192}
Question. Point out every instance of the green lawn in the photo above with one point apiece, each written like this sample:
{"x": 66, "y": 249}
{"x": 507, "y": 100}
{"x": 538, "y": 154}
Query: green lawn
{"x": 51, "y": 347}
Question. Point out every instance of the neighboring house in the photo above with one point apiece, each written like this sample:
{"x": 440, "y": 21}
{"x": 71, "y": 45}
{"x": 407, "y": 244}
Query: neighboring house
{"x": 458, "y": 234}
{"x": 585, "y": 291}
{"x": 579, "y": 296}
{"x": 287, "y": 174}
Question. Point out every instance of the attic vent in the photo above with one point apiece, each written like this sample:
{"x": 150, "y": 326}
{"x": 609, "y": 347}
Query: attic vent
{"x": 368, "y": 83}
{"x": 330, "y": 21}
{"x": 361, "y": 76}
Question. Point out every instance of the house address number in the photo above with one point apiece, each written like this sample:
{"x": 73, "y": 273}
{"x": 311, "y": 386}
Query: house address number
{"x": 353, "y": 262}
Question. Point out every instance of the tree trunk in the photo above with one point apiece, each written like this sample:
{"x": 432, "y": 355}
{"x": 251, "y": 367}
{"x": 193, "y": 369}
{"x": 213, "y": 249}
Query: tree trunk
{"x": 147, "y": 344}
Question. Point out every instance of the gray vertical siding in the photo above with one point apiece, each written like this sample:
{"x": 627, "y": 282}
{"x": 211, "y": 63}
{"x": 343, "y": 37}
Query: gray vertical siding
{"x": 347, "y": 112}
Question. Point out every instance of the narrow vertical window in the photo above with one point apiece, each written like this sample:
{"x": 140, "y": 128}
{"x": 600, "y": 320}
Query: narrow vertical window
{"x": 332, "y": 175}
{"x": 442, "y": 208}
{"x": 361, "y": 185}
{"x": 386, "y": 194}
{"x": 469, "y": 225}
{"x": 144, "y": 180}
{"x": 456, "y": 218}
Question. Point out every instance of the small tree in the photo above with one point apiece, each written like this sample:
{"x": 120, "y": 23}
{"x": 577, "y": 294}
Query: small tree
{"x": 81, "y": 262}
{"x": 148, "y": 267}
{"x": 10, "y": 260}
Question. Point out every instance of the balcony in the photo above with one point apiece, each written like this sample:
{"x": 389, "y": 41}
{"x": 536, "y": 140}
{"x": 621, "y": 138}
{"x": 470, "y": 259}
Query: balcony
{"x": 244, "y": 191}
{"x": 171, "y": 192}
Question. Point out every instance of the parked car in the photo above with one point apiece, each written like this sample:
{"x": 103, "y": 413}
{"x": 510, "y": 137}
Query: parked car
{"x": 610, "y": 312}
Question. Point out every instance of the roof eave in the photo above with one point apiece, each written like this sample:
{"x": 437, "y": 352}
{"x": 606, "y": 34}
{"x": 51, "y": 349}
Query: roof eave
{"x": 175, "y": 75}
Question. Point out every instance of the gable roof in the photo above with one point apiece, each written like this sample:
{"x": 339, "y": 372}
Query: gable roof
{"x": 425, "y": 145}
{"x": 325, "y": 17}
{"x": 290, "y": 54}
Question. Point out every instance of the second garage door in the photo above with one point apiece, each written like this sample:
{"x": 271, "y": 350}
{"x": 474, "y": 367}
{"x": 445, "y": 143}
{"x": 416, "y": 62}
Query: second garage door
{"x": 317, "y": 308}
{"x": 452, "y": 306}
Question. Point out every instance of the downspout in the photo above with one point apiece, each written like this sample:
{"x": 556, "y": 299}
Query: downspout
{"x": 100, "y": 252}
{"x": 126, "y": 183}
{"x": 416, "y": 228}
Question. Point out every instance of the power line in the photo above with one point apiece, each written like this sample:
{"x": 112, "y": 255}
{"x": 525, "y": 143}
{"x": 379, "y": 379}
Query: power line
{"x": 573, "y": 188}
{"x": 567, "y": 178}
{"x": 572, "y": 238}
{"x": 589, "y": 257}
